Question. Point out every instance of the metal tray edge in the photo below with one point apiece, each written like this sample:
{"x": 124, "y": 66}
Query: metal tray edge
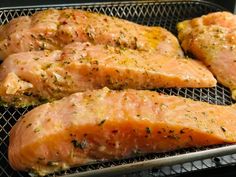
{"x": 159, "y": 162}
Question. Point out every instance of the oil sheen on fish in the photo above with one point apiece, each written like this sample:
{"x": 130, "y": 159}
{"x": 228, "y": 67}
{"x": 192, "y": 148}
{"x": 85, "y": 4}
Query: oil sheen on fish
{"x": 212, "y": 39}
{"x": 53, "y": 29}
{"x": 106, "y": 125}
{"x": 31, "y": 78}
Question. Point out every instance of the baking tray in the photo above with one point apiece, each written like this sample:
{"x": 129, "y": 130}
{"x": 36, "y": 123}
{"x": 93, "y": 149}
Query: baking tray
{"x": 152, "y": 13}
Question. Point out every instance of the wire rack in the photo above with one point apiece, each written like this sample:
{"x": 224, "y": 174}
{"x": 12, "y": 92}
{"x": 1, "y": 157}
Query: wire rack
{"x": 159, "y": 13}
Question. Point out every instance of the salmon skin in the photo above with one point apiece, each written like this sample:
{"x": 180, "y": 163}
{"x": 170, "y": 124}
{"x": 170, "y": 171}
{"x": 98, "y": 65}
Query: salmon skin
{"x": 53, "y": 29}
{"x": 34, "y": 77}
{"x": 212, "y": 39}
{"x": 106, "y": 125}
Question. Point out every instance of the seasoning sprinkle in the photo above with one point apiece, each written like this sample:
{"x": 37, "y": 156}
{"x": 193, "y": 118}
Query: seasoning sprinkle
{"x": 36, "y": 130}
{"x": 102, "y": 122}
{"x": 81, "y": 145}
{"x": 148, "y": 130}
{"x": 223, "y": 129}
{"x": 27, "y": 126}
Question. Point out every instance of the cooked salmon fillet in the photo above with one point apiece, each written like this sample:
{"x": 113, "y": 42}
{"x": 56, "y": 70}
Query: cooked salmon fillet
{"x": 212, "y": 39}
{"x": 53, "y": 29}
{"x": 33, "y": 77}
{"x": 105, "y": 125}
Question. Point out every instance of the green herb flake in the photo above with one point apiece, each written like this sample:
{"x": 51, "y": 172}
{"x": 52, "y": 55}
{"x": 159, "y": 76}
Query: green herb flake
{"x": 162, "y": 106}
{"x": 36, "y": 130}
{"x": 32, "y": 172}
{"x": 81, "y": 145}
{"x": 175, "y": 137}
{"x": 42, "y": 100}
{"x": 136, "y": 152}
{"x": 51, "y": 163}
{"x": 48, "y": 65}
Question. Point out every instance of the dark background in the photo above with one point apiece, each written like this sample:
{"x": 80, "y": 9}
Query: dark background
{"x": 228, "y": 4}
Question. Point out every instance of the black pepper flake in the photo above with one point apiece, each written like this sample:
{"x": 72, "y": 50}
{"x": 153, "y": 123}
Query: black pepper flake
{"x": 66, "y": 62}
{"x": 102, "y": 122}
{"x": 114, "y": 131}
{"x": 148, "y": 130}
{"x": 181, "y": 131}
{"x": 159, "y": 132}
{"x": 27, "y": 126}
{"x": 171, "y": 131}
{"x": 41, "y": 158}
{"x": 81, "y": 145}
{"x": 223, "y": 129}
{"x": 32, "y": 36}
{"x": 95, "y": 62}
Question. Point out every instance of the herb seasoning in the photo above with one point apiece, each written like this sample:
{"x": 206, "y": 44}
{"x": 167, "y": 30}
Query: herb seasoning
{"x": 102, "y": 122}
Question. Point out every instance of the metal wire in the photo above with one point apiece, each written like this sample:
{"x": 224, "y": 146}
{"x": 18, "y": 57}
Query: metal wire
{"x": 165, "y": 14}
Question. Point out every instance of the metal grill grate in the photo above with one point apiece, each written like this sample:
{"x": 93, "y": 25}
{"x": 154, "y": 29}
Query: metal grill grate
{"x": 165, "y": 14}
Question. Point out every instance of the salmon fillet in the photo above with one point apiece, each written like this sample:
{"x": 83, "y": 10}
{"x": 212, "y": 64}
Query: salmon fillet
{"x": 212, "y": 39}
{"x": 53, "y": 29}
{"x": 105, "y": 125}
{"x": 34, "y": 77}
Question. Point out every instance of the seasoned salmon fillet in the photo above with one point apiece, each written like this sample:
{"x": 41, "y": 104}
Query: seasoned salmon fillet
{"x": 33, "y": 77}
{"x": 105, "y": 125}
{"x": 212, "y": 39}
{"x": 53, "y": 29}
